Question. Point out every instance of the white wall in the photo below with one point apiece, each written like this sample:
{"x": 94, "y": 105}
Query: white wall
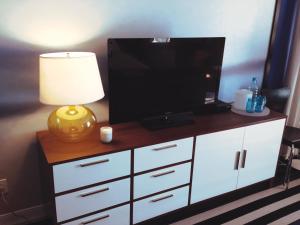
{"x": 31, "y": 27}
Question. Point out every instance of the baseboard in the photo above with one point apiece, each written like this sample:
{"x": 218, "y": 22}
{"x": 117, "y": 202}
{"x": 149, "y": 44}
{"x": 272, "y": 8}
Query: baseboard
{"x": 34, "y": 214}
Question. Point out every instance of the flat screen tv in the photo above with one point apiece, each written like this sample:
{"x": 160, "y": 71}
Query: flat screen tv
{"x": 152, "y": 77}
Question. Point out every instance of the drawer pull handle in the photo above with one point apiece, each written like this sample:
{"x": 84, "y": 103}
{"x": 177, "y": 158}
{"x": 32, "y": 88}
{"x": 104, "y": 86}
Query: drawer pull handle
{"x": 94, "y": 192}
{"x": 162, "y": 198}
{"x": 163, "y": 173}
{"x": 95, "y": 219}
{"x": 244, "y": 154}
{"x": 164, "y": 147}
{"x": 236, "y": 161}
{"x": 94, "y": 163}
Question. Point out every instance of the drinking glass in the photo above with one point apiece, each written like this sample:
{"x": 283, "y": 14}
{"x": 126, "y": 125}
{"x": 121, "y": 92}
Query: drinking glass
{"x": 260, "y": 103}
{"x": 250, "y": 105}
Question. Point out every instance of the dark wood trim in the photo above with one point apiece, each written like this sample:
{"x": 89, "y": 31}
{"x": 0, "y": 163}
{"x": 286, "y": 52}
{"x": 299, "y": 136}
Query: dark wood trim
{"x": 47, "y": 184}
{"x": 205, "y": 205}
{"x": 192, "y": 170}
{"x": 278, "y": 157}
{"x": 92, "y": 185}
{"x": 53, "y": 204}
{"x": 131, "y": 186}
{"x": 160, "y": 192}
{"x": 162, "y": 167}
{"x": 132, "y": 135}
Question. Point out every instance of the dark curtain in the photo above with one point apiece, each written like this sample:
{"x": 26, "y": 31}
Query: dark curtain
{"x": 281, "y": 39}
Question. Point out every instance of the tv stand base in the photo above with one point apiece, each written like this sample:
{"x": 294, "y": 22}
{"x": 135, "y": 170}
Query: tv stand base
{"x": 168, "y": 120}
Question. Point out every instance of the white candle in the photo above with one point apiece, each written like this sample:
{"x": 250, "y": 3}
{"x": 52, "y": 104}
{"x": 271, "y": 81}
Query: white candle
{"x": 106, "y": 134}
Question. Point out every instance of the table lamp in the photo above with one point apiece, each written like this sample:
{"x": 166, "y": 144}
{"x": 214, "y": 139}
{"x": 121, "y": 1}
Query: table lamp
{"x": 70, "y": 79}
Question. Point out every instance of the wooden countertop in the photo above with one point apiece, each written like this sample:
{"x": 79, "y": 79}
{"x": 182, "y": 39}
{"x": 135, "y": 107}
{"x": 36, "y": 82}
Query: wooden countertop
{"x": 131, "y": 135}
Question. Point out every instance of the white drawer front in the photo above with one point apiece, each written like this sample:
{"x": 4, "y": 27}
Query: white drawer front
{"x": 89, "y": 171}
{"x": 153, "y": 156}
{"x": 160, "y": 204}
{"x": 92, "y": 199}
{"x": 160, "y": 180}
{"x": 116, "y": 216}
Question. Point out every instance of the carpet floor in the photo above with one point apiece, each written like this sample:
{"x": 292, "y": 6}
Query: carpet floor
{"x": 274, "y": 206}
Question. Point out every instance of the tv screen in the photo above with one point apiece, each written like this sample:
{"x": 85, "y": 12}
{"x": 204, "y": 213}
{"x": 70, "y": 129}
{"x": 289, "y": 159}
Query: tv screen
{"x": 153, "y": 76}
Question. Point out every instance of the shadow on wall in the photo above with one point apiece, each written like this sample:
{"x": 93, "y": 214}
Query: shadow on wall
{"x": 239, "y": 76}
{"x": 28, "y": 174}
{"x": 246, "y": 67}
{"x": 19, "y": 157}
{"x": 19, "y": 108}
{"x": 19, "y": 82}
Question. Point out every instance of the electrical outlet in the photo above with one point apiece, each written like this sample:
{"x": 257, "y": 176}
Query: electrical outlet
{"x": 3, "y": 185}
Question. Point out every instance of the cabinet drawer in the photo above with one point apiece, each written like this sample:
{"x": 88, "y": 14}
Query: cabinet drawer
{"x": 160, "y": 204}
{"x": 160, "y": 180}
{"x": 89, "y": 171}
{"x": 116, "y": 216}
{"x": 92, "y": 199}
{"x": 162, "y": 154}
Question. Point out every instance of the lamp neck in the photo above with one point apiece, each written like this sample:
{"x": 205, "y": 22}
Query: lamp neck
{"x": 72, "y": 110}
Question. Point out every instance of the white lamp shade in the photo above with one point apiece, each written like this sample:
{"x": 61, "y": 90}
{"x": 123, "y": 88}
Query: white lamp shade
{"x": 69, "y": 78}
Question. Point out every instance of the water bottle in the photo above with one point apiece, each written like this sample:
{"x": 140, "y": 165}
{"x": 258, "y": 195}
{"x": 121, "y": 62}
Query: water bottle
{"x": 254, "y": 89}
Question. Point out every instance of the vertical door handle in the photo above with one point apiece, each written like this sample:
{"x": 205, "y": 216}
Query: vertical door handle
{"x": 236, "y": 161}
{"x": 243, "y": 162}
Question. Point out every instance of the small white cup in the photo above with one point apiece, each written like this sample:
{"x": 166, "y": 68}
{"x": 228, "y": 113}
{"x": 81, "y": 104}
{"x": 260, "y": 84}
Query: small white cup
{"x": 106, "y": 134}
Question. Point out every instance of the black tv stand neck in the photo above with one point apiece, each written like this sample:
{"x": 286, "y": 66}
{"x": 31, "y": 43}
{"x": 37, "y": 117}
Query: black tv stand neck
{"x": 168, "y": 120}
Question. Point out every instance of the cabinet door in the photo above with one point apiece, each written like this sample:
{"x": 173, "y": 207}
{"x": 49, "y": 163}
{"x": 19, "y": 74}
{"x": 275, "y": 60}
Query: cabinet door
{"x": 262, "y": 143}
{"x": 214, "y": 164}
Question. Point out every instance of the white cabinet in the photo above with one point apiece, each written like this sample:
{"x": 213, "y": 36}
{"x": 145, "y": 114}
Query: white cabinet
{"x": 235, "y": 158}
{"x": 160, "y": 204}
{"x": 214, "y": 162}
{"x": 153, "y": 156}
{"x": 160, "y": 180}
{"x": 84, "y": 172}
{"x": 115, "y": 216}
{"x": 132, "y": 182}
{"x": 261, "y": 146}
{"x": 90, "y": 171}
{"x": 92, "y": 199}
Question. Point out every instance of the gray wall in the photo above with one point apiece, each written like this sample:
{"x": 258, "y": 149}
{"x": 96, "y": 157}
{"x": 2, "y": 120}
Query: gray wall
{"x": 31, "y": 27}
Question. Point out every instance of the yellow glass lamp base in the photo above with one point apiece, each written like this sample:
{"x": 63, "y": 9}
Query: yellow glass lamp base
{"x": 71, "y": 123}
